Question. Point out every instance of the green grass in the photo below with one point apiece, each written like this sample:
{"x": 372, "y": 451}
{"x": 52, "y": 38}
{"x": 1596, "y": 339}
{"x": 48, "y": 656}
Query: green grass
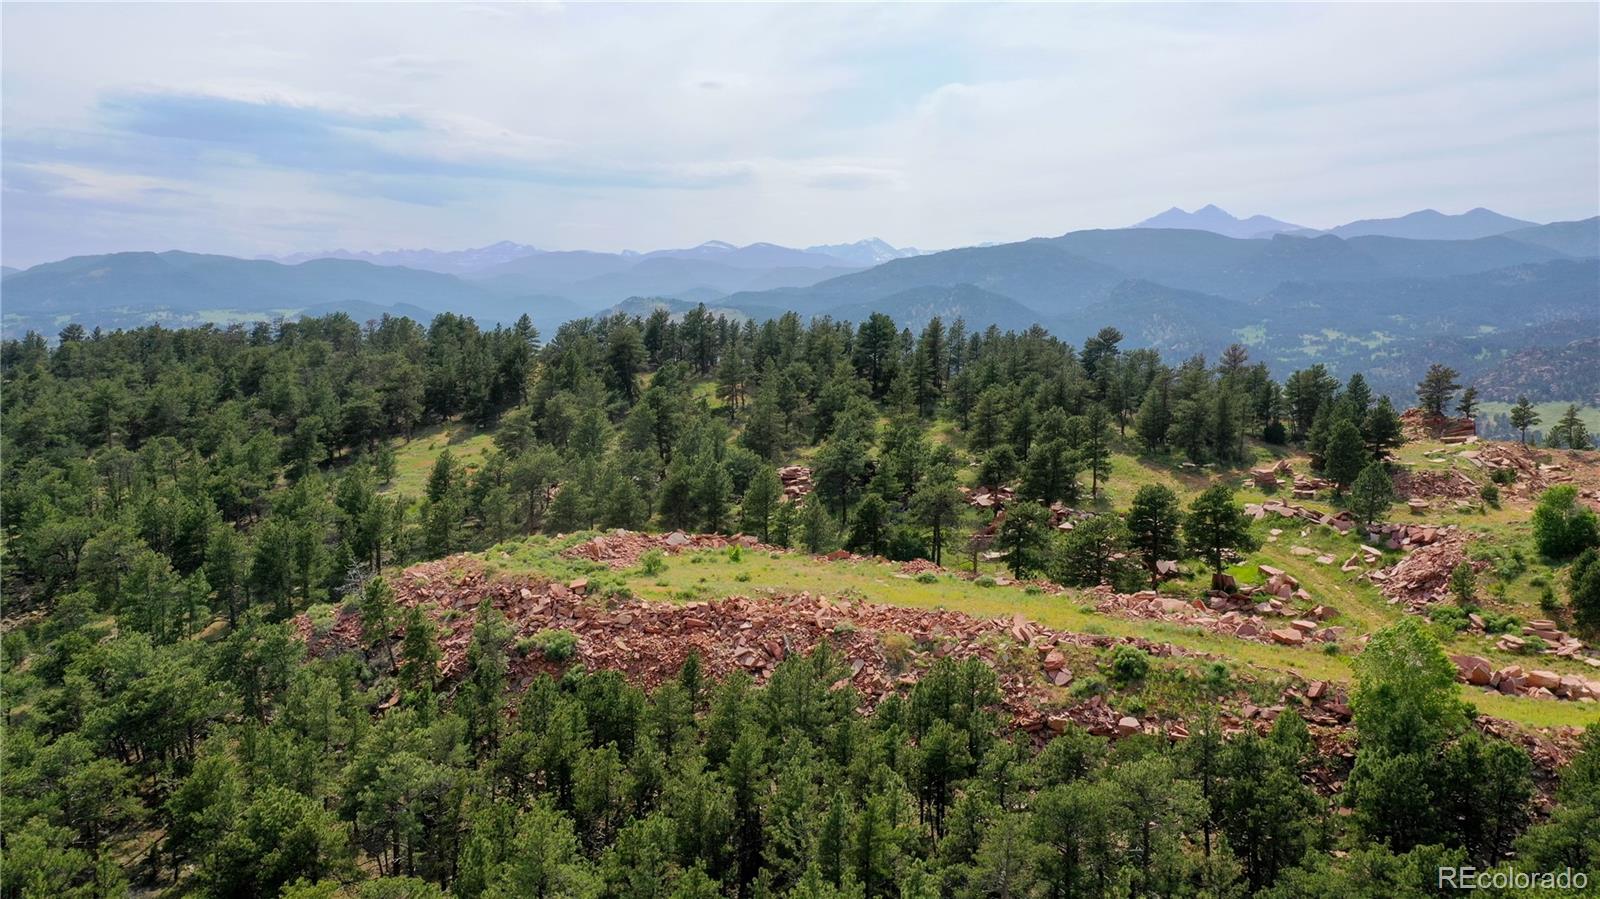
{"x": 711, "y": 575}
{"x": 414, "y": 458}
{"x": 1361, "y": 607}
{"x": 1549, "y": 413}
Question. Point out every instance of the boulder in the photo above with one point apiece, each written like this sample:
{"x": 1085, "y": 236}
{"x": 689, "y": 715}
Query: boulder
{"x": 1128, "y": 726}
{"x": 1548, "y": 680}
{"x": 1288, "y": 636}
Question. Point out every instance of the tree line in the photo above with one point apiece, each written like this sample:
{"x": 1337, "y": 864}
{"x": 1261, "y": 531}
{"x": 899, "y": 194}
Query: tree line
{"x": 172, "y": 498}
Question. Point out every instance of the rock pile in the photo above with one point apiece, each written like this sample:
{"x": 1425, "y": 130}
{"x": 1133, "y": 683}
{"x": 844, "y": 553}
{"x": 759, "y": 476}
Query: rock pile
{"x": 1307, "y": 487}
{"x": 1423, "y": 577}
{"x": 648, "y": 641}
{"x": 796, "y": 481}
{"x": 621, "y": 549}
{"x": 1532, "y": 475}
{"x": 1556, "y": 641}
{"x": 994, "y": 499}
{"x": 1270, "y": 476}
{"x": 1261, "y": 614}
{"x": 1392, "y": 535}
{"x": 1343, "y": 522}
{"x": 1424, "y": 485}
{"x": 1415, "y": 424}
{"x": 1513, "y": 680}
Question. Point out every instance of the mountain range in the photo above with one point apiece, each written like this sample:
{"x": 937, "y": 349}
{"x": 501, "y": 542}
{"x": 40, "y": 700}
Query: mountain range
{"x": 1425, "y": 224}
{"x": 1383, "y": 303}
{"x": 1210, "y": 218}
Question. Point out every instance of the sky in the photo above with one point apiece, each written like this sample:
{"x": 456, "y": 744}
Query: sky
{"x": 271, "y": 129}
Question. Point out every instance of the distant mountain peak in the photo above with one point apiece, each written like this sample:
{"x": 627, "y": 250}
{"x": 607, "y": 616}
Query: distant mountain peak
{"x": 1217, "y": 220}
{"x": 1431, "y": 224}
{"x": 452, "y": 262}
{"x": 866, "y": 252}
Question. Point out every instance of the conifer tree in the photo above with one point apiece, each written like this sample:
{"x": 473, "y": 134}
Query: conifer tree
{"x": 1523, "y": 417}
{"x": 1372, "y": 493}
{"x": 1216, "y": 526}
{"x": 1346, "y": 455}
{"x": 1153, "y": 522}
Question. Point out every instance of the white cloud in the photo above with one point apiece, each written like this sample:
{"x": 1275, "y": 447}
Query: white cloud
{"x": 640, "y": 126}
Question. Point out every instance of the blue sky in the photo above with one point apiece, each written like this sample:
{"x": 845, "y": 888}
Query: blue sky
{"x": 255, "y": 129}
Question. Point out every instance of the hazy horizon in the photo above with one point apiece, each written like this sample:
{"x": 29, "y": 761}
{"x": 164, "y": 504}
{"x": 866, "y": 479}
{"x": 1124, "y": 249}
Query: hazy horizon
{"x": 253, "y": 130}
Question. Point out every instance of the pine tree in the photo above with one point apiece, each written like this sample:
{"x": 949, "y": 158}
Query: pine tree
{"x": 481, "y": 695}
{"x": 1095, "y": 450}
{"x": 937, "y": 505}
{"x": 1346, "y": 455}
{"x": 377, "y": 610}
{"x": 1523, "y": 417}
{"x": 1094, "y": 552}
{"x": 442, "y": 477}
{"x": 1583, "y": 591}
{"x": 419, "y": 658}
{"x": 1216, "y": 526}
{"x": 1467, "y": 406}
{"x": 1024, "y": 537}
{"x": 1153, "y": 522}
{"x": 1372, "y": 493}
{"x": 1380, "y": 429}
{"x": 869, "y": 531}
{"x": 1153, "y": 419}
{"x": 1569, "y": 431}
{"x": 1051, "y": 473}
{"x": 817, "y": 529}
{"x": 713, "y": 495}
{"x": 761, "y": 500}
{"x": 1436, "y": 388}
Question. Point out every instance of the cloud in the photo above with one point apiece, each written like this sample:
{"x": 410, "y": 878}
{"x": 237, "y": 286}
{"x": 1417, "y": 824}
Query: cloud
{"x": 640, "y": 126}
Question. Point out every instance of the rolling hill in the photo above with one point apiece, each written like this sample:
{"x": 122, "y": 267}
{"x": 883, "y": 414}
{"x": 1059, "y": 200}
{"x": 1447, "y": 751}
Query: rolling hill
{"x": 1580, "y": 239}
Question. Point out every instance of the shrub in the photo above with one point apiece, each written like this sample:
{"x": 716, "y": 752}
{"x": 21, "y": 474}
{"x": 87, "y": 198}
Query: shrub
{"x": 984, "y": 581}
{"x": 1503, "y": 476}
{"x": 1219, "y": 678}
{"x": 927, "y": 577}
{"x": 1499, "y": 624}
{"x": 1463, "y": 583}
{"x": 1129, "y": 664}
{"x": 1548, "y": 603}
{"x": 1561, "y": 527}
{"x": 742, "y": 577}
{"x": 653, "y": 562}
{"x": 1086, "y": 687}
{"x": 321, "y": 618}
{"x": 555, "y": 645}
{"x": 735, "y": 553}
{"x": 1583, "y": 590}
{"x": 1490, "y": 494}
{"x": 896, "y": 650}
{"x": 1450, "y": 617}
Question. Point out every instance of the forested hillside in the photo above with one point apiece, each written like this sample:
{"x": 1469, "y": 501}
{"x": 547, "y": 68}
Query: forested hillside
{"x": 227, "y": 674}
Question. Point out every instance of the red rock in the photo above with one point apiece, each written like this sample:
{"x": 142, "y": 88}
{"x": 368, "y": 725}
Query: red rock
{"x": 1288, "y": 636}
{"x": 1543, "y": 679}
